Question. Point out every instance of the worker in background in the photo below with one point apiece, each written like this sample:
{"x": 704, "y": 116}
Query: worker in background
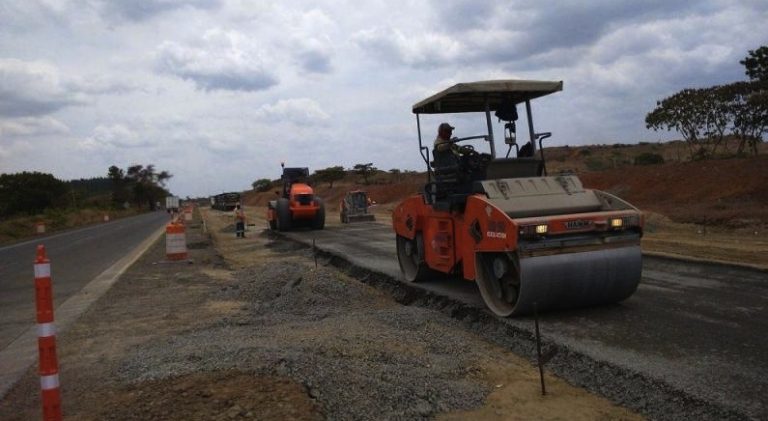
{"x": 239, "y": 222}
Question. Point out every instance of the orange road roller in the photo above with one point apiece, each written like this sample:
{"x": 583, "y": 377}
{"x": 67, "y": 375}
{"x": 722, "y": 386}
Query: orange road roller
{"x": 528, "y": 239}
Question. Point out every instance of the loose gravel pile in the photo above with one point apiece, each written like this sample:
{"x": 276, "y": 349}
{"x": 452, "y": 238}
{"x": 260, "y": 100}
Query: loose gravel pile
{"x": 359, "y": 354}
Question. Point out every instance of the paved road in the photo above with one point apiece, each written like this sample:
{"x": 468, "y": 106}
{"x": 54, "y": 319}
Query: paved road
{"x": 77, "y": 257}
{"x": 700, "y": 328}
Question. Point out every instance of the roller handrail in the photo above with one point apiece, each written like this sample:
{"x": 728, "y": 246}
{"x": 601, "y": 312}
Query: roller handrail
{"x": 541, "y": 137}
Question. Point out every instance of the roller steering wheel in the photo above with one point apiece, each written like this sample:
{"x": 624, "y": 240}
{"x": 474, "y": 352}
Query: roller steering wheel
{"x": 467, "y": 150}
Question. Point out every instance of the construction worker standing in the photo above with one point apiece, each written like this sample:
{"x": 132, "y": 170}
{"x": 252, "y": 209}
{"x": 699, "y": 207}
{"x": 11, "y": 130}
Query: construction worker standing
{"x": 239, "y": 222}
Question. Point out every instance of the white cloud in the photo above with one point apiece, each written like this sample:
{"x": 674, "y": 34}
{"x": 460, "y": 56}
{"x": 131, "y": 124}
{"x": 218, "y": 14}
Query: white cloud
{"x": 30, "y": 88}
{"x": 131, "y": 10}
{"x": 418, "y": 50}
{"x": 303, "y": 111}
{"x": 314, "y": 55}
{"x": 35, "y": 88}
{"x": 115, "y": 136}
{"x": 220, "y": 60}
{"x": 31, "y": 126}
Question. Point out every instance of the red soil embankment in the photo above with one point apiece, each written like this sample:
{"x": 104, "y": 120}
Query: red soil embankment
{"x": 730, "y": 192}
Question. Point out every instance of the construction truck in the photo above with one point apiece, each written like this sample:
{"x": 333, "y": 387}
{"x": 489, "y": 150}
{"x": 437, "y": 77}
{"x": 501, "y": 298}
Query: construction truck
{"x": 172, "y": 204}
{"x": 297, "y": 204}
{"x": 529, "y": 240}
{"x": 354, "y": 207}
{"x": 226, "y": 201}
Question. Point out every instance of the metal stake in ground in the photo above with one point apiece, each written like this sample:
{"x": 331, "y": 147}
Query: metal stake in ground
{"x": 314, "y": 252}
{"x": 538, "y": 348}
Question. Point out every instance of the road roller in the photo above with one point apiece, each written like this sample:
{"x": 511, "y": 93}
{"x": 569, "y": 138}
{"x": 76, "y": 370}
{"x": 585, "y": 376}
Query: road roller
{"x": 528, "y": 239}
{"x": 297, "y": 204}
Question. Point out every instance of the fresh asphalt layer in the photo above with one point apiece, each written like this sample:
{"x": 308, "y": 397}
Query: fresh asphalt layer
{"x": 696, "y": 328}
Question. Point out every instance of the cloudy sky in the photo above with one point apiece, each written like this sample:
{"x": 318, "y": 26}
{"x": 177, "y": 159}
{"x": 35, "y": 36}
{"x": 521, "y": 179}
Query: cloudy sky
{"x": 218, "y": 92}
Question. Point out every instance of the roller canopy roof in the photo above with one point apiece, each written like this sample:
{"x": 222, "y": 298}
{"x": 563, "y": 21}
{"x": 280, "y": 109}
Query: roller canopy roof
{"x": 470, "y": 97}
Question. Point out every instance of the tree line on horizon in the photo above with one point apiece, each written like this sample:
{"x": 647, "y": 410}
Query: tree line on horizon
{"x": 707, "y": 117}
{"x": 326, "y": 175}
{"x": 31, "y": 192}
{"x": 368, "y": 173}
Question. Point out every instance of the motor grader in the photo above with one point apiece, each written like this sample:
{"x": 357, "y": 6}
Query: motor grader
{"x": 297, "y": 204}
{"x": 354, "y": 207}
{"x": 528, "y": 239}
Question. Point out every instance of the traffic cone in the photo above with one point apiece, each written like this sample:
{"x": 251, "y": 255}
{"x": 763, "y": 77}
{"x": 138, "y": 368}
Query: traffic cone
{"x": 46, "y": 338}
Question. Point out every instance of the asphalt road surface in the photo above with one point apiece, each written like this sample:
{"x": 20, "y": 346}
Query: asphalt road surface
{"x": 77, "y": 257}
{"x": 699, "y": 328}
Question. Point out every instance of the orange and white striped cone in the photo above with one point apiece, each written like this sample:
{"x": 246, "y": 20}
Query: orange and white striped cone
{"x": 175, "y": 241}
{"x": 46, "y": 338}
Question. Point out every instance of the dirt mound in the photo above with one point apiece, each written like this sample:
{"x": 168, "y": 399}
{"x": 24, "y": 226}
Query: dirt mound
{"x": 218, "y": 395}
{"x": 730, "y": 192}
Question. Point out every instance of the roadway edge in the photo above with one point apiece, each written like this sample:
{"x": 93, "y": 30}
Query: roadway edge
{"x": 16, "y": 358}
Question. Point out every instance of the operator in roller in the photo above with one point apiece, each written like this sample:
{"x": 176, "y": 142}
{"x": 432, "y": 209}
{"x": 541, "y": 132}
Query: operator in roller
{"x": 443, "y": 140}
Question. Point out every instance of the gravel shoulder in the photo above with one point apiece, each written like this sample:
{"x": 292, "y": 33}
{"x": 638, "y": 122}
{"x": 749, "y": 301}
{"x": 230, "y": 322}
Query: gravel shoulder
{"x": 252, "y": 329}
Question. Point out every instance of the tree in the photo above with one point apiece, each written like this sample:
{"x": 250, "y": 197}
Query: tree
{"x": 685, "y": 113}
{"x": 758, "y": 102}
{"x": 330, "y": 175}
{"x": 261, "y": 185}
{"x": 120, "y": 193}
{"x": 756, "y": 64}
{"x": 30, "y": 193}
{"x": 365, "y": 170}
{"x": 746, "y": 106}
{"x": 147, "y": 185}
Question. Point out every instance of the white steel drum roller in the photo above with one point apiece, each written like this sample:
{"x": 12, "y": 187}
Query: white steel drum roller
{"x": 511, "y": 285}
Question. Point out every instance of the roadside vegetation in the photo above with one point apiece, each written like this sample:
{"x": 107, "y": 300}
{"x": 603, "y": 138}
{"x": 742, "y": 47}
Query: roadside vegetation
{"x": 28, "y": 198}
{"x": 707, "y": 117}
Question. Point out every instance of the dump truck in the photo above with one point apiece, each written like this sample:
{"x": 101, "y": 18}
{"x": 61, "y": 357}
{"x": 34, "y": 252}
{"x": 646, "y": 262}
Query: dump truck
{"x": 529, "y": 240}
{"x": 226, "y": 201}
{"x": 354, "y": 207}
{"x": 297, "y": 204}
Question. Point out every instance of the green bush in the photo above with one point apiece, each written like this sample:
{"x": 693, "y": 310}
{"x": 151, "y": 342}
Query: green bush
{"x": 649, "y": 158}
{"x": 262, "y": 185}
{"x": 595, "y": 164}
{"x": 57, "y": 218}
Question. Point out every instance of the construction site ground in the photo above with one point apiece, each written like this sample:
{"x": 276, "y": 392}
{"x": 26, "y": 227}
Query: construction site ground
{"x": 251, "y": 329}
